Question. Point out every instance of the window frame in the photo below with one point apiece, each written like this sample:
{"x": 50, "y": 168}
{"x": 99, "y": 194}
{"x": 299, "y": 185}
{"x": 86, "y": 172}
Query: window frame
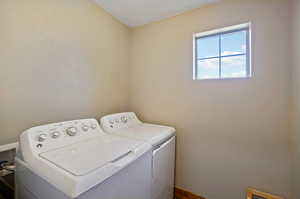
{"x": 219, "y": 32}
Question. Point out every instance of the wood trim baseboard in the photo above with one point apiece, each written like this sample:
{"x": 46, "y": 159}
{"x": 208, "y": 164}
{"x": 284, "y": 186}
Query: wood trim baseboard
{"x": 251, "y": 192}
{"x": 183, "y": 194}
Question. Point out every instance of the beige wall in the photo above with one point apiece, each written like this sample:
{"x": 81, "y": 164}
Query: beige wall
{"x": 296, "y": 99}
{"x": 60, "y": 60}
{"x": 66, "y": 59}
{"x": 231, "y": 133}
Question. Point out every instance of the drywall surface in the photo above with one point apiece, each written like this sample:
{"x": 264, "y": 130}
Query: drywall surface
{"x": 60, "y": 60}
{"x": 296, "y": 98}
{"x": 232, "y": 134}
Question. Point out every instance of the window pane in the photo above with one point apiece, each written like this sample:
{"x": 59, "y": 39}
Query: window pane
{"x": 208, "y": 47}
{"x": 233, "y": 66}
{"x": 233, "y": 43}
{"x": 208, "y": 69}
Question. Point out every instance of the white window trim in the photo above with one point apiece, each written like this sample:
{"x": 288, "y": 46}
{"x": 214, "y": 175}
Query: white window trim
{"x": 219, "y": 31}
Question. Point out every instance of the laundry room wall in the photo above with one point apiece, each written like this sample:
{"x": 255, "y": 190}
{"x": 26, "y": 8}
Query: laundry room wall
{"x": 60, "y": 60}
{"x": 296, "y": 98}
{"x": 232, "y": 134}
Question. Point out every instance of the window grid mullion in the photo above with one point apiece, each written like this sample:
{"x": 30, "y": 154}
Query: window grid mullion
{"x": 223, "y": 56}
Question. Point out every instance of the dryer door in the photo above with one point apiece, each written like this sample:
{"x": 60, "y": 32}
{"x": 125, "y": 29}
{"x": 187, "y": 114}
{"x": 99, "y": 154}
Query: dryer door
{"x": 163, "y": 165}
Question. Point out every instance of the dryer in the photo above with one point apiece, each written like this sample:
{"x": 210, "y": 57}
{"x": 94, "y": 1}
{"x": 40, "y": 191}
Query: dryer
{"x": 76, "y": 159}
{"x": 162, "y": 140}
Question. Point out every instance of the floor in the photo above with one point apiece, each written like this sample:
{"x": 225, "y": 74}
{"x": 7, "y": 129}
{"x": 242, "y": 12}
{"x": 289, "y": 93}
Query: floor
{"x": 6, "y": 187}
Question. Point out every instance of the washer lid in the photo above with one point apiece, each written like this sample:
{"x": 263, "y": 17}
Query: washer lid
{"x": 150, "y": 133}
{"x": 84, "y": 157}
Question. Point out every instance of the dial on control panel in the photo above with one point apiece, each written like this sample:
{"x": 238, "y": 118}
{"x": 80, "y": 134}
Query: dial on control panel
{"x": 93, "y": 126}
{"x": 85, "y": 128}
{"x": 42, "y": 137}
{"x": 55, "y": 134}
{"x": 124, "y": 119}
{"x": 71, "y": 131}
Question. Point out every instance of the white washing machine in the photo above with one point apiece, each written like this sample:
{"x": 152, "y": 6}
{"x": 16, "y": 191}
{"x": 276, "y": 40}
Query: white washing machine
{"x": 162, "y": 139}
{"x": 76, "y": 159}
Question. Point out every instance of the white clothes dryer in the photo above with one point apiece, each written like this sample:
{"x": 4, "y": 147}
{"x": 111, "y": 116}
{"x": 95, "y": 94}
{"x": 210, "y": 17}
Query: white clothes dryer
{"x": 162, "y": 140}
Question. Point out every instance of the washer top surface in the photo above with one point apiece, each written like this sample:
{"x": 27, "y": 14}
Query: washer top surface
{"x": 84, "y": 157}
{"x": 153, "y": 134}
{"x": 74, "y": 156}
{"x": 128, "y": 125}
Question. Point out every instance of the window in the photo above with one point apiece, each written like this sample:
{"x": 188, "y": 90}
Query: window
{"x": 223, "y": 53}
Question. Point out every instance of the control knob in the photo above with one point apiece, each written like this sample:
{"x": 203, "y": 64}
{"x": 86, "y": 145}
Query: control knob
{"x": 55, "y": 134}
{"x": 93, "y": 126}
{"x": 124, "y": 119}
{"x": 42, "y": 137}
{"x": 71, "y": 131}
{"x": 85, "y": 128}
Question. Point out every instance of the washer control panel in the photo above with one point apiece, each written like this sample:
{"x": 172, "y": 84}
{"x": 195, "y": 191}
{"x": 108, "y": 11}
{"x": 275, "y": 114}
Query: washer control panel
{"x": 51, "y": 136}
{"x": 113, "y": 122}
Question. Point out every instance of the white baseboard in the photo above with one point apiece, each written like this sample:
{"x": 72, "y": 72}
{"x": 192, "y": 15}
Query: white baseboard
{"x": 8, "y": 147}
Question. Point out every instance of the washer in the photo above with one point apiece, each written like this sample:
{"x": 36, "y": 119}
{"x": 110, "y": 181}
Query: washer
{"x": 162, "y": 140}
{"x": 76, "y": 159}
